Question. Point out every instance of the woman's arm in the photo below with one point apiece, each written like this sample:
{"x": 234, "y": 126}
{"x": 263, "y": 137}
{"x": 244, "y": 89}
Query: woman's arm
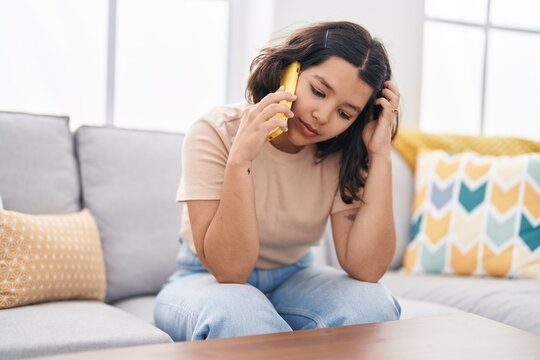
{"x": 365, "y": 237}
{"x": 225, "y": 232}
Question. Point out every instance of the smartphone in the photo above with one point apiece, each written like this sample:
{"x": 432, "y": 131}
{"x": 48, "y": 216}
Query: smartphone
{"x": 289, "y": 79}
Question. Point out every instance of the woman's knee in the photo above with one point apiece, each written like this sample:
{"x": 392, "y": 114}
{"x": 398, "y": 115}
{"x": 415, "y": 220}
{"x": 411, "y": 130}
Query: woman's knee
{"x": 372, "y": 302}
{"x": 219, "y": 310}
{"x": 198, "y": 294}
{"x": 358, "y": 302}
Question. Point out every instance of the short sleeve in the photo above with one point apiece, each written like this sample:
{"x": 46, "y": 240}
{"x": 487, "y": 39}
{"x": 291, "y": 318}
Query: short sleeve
{"x": 204, "y": 157}
{"x": 338, "y": 204}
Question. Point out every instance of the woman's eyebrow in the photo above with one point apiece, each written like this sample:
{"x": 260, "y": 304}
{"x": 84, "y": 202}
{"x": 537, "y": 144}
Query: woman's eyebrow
{"x": 321, "y": 79}
{"x": 327, "y": 85}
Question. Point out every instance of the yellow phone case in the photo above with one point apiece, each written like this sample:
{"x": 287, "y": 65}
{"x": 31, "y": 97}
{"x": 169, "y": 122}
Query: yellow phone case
{"x": 288, "y": 80}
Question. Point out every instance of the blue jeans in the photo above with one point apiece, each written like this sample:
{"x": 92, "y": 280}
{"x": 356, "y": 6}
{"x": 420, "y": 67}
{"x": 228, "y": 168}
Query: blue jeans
{"x": 193, "y": 305}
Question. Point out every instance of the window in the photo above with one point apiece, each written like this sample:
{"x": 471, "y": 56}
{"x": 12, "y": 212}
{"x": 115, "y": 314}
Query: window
{"x": 480, "y": 67}
{"x": 171, "y": 59}
{"x": 53, "y": 58}
{"x": 154, "y": 64}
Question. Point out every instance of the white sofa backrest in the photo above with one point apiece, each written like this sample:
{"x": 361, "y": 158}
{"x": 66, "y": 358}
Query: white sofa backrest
{"x": 402, "y": 192}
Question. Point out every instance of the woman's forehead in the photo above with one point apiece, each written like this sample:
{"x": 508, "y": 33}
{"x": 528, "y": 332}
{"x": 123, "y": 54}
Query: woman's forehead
{"x": 341, "y": 78}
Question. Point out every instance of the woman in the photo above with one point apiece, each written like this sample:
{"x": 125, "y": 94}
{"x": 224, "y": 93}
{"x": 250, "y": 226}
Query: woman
{"x": 255, "y": 208}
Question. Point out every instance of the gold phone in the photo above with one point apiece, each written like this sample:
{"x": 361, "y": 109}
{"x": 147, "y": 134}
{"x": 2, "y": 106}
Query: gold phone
{"x": 289, "y": 78}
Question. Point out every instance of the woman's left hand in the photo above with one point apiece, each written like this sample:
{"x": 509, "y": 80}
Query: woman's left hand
{"x": 377, "y": 134}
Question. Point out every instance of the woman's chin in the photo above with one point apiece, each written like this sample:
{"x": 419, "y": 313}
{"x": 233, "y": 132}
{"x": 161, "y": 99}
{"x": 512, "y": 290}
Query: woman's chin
{"x": 296, "y": 139}
{"x": 299, "y": 140}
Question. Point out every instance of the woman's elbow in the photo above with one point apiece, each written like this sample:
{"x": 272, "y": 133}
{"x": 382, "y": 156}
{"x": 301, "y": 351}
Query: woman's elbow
{"x": 231, "y": 279}
{"x": 371, "y": 274}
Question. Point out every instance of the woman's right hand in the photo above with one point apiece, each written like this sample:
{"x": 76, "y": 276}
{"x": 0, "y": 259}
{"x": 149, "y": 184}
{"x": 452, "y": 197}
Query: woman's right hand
{"x": 256, "y": 123}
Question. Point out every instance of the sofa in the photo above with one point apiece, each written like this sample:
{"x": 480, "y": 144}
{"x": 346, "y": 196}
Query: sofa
{"x": 127, "y": 179}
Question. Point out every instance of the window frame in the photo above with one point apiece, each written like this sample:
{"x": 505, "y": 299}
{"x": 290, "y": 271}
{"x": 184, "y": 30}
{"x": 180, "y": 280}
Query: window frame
{"x": 487, "y": 27}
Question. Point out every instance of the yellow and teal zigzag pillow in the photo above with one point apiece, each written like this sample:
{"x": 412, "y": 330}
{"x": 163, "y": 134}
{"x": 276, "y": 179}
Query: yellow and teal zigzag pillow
{"x": 476, "y": 215}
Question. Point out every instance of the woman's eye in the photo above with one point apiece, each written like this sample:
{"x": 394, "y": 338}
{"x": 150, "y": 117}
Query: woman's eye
{"x": 344, "y": 115}
{"x": 317, "y": 92}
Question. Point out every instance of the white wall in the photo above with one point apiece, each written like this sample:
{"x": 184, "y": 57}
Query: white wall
{"x": 398, "y": 23}
{"x": 251, "y": 26}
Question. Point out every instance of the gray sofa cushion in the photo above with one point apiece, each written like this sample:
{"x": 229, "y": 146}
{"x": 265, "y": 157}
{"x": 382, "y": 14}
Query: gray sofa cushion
{"x": 140, "y": 306}
{"x": 411, "y": 309}
{"x": 68, "y": 326}
{"x": 129, "y": 180}
{"x": 513, "y": 302}
{"x": 38, "y": 172}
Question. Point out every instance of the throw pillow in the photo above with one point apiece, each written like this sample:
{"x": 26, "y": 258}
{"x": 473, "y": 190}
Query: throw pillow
{"x": 49, "y": 257}
{"x": 476, "y": 215}
{"x": 409, "y": 142}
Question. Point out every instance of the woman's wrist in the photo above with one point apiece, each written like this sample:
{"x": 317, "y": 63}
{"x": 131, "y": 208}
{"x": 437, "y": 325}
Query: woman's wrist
{"x": 380, "y": 156}
{"x": 234, "y": 162}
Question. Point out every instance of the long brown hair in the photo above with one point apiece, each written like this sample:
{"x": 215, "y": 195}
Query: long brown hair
{"x": 312, "y": 45}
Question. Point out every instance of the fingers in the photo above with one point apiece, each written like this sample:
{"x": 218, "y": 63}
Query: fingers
{"x": 392, "y": 87}
{"x": 274, "y": 115}
{"x": 271, "y": 111}
{"x": 271, "y": 117}
{"x": 391, "y": 97}
{"x": 388, "y": 111}
{"x": 273, "y": 98}
{"x": 275, "y": 122}
{"x": 277, "y": 97}
{"x": 386, "y": 105}
{"x": 391, "y": 93}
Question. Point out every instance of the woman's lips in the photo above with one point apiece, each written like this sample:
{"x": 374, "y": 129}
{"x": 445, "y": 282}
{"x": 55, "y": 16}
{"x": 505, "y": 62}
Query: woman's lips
{"x": 306, "y": 129}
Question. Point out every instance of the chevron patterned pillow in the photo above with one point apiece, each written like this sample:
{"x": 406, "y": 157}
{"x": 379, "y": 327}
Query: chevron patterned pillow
{"x": 476, "y": 215}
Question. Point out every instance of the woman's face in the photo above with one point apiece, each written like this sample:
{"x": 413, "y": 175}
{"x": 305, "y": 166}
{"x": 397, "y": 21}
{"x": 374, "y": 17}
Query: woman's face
{"x": 330, "y": 96}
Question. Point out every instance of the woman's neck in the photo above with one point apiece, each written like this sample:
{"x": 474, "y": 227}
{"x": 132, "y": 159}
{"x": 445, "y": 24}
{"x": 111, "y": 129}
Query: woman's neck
{"x": 283, "y": 143}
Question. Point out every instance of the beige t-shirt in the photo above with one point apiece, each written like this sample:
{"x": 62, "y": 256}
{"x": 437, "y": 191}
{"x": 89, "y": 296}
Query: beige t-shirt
{"x": 294, "y": 195}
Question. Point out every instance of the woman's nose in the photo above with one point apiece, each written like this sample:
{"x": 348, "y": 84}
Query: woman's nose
{"x": 321, "y": 116}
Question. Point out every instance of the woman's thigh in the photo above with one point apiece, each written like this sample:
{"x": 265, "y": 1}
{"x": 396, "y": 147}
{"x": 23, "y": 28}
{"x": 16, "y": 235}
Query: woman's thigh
{"x": 197, "y": 307}
{"x": 321, "y": 296}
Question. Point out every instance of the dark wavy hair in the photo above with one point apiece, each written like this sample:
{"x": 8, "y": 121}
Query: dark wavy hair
{"x": 312, "y": 45}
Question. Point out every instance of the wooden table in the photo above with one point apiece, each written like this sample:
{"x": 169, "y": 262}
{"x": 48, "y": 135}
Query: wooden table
{"x": 461, "y": 336}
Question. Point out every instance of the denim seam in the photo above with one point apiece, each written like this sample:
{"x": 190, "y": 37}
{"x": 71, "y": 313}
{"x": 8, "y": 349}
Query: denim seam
{"x": 305, "y": 313}
{"x": 190, "y": 315}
